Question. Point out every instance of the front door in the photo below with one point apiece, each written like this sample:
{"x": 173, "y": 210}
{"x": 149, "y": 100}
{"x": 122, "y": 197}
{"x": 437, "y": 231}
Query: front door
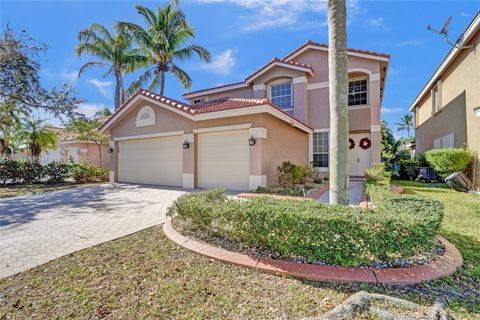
{"x": 360, "y": 158}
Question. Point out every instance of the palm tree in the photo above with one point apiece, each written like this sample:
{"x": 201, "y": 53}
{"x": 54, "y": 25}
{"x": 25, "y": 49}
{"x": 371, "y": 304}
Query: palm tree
{"x": 36, "y": 136}
{"x": 406, "y": 123}
{"x": 114, "y": 51}
{"x": 338, "y": 87}
{"x": 162, "y": 42}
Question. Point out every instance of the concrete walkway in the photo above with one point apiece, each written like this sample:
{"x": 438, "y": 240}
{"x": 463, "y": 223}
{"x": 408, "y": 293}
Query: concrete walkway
{"x": 39, "y": 228}
{"x": 355, "y": 191}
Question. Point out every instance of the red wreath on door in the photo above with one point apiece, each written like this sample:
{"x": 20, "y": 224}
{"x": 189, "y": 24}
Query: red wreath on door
{"x": 352, "y": 144}
{"x": 365, "y": 143}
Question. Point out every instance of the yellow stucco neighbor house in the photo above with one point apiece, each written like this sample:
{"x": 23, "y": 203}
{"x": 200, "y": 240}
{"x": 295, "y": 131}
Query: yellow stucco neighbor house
{"x": 446, "y": 110}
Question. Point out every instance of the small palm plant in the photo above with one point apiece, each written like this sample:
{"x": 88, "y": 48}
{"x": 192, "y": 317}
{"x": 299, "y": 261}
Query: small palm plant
{"x": 406, "y": 123}
{"x": 37, "y": 137}
{"x": 162, "y": 41}
{"x": 114, "y": 51}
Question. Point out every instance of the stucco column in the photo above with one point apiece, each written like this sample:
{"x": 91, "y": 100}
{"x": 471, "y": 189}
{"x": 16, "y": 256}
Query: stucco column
{"x": 260, "y": 91}
{"x": 113, "y": 174}
{"x": 300, "y": 110}
{"x": 258, "y": 177}
{"x": 188, "y": 179}
{"x": 375, "y": 124}
{"x": 376, "y": 138}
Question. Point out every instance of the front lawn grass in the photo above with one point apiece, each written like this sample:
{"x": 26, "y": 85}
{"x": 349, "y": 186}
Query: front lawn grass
{"x": 8, "y": 191}
{"x": 145, "y": 276}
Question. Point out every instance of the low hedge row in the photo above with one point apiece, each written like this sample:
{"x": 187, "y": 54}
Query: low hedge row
{"x": 31, "y": 171}
{"x": 340, "y": 235}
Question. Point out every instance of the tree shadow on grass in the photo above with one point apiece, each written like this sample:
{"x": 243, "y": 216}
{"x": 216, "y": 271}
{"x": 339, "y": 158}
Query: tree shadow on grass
{"x": 462, "y": 289}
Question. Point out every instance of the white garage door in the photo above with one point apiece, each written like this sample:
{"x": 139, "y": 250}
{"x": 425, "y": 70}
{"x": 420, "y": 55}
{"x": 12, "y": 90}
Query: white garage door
{"x": 224, "y": 160}
{"x": 151, "y": 161}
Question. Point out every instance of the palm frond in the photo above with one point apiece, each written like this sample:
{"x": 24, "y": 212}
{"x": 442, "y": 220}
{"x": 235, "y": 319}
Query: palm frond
{"x": 90, "y": 64}
{"x": 182, "y": 76}
{"x": 139, "y": 82}
{"x": 186, "y": 53}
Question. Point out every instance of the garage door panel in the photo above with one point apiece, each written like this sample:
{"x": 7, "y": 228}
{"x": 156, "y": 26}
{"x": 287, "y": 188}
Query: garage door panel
{"x": 224, "y": 160}
{"x": 151, "y": 161}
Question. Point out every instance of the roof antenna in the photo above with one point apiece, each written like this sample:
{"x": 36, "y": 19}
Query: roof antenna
{"x": 444, "y": 32}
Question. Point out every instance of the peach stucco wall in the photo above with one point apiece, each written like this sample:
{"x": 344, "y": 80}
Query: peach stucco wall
{"x": 283, "y": 141}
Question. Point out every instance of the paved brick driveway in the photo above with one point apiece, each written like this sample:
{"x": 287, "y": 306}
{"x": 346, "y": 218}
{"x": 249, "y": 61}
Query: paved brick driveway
{"x": 39, "y": 228}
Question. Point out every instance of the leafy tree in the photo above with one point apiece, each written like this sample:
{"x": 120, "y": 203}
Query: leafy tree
{"x": 9, "y": 122}
{"x": 87, "y": 130}
{"x": 162, "y": 41}
{"x": 105, "y": 112}
{"x": 36, "y": 136}
{"x": 21, "y": 92}
{"x": 114, "y": 51}
{"x": 406, "y": 123}
{"x": 338, "y": 86}
{"x": 389, "y": 145}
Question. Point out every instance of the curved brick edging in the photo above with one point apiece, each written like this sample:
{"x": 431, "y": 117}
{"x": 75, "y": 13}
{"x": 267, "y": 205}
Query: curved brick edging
{"x": 443, "y": 266}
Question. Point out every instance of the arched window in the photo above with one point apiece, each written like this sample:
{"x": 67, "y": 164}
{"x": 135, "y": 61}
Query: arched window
{"x": 145, "y": 117}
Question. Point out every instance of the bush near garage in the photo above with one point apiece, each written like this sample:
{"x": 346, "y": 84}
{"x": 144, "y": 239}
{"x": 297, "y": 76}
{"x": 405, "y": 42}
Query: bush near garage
{"x": 56, "y": 172}
{"x": 401, "y": 226}
{"x": 408, "y": 169}
{"x": 448, "y": 161}
{"x": 85, "y": 172}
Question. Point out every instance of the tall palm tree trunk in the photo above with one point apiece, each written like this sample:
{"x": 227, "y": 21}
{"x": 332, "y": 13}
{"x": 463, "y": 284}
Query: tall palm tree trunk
{"x": 338, "y": 87}
{"x": 162, "y": 82}
{"x": 118, "y": 90}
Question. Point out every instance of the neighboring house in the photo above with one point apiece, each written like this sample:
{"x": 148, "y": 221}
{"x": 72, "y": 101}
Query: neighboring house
{"x": 70, "y": 148}
{"x": 446, "y": 109}
{"x": 234, "y": 136}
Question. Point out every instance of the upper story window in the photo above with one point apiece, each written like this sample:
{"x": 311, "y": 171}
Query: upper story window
{"x": 198, "y": 101}
{"x": 281, "y": 95}
{"x": 357, "y": 92}
{"x": 320, "y": 149}
{"x": 436, "y": 97}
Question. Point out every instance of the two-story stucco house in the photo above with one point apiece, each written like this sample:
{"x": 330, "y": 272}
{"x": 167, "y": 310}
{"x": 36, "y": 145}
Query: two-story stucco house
{"x": 446, "y": 111}
{"x": 234, "y": 136}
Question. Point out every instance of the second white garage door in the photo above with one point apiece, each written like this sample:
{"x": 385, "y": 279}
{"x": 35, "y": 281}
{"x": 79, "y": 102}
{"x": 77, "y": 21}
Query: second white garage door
{"x": 224, "y": 160}
{"x": 151, "y": 161}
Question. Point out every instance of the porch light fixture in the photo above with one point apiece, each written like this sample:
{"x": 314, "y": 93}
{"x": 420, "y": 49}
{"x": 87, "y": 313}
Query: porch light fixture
{"x": 477, "y": 111}
{"x": 110, "y": 150}
{"x": 186, "y": 145}
{"x": 251, "y": 141}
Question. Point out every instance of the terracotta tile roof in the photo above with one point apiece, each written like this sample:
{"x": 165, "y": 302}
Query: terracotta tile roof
{"x": 310, "y": 42}
{"x": 275, "y": 59}
{"x": 227, "y": 103}
{"x": 63, "y": 134}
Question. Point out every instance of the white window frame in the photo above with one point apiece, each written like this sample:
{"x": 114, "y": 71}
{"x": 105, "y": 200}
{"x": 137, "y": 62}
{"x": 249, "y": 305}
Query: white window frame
{"x": 318, "y": 131}
{"x": 150, "y": 121}
{"x": 359, "y": 78}
{"x": 282, "y": 81}
{"x": 436, "y": 94}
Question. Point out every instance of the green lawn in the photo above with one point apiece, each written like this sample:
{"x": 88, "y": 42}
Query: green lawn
{"x": 146, "y": 276}
{"x": 9, "y": 191}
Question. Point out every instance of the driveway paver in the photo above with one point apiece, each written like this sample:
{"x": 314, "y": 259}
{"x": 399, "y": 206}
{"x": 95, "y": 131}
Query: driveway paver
{"x": 39, "y": 228}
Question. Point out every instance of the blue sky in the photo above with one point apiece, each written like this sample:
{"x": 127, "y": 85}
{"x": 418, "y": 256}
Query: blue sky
{"x": 242, "y": 35}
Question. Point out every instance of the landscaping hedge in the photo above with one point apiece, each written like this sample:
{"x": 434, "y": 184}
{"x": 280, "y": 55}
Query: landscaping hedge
{"x": 349, "y": 236}
{"x": 448, "y": 161}
{"x": 15, "y": 171}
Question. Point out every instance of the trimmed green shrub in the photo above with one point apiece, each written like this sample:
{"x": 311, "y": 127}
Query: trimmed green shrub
{"x": 377, "y": 183}
{"x": 408, "y": 169}
{"x": 9, "y": 170}
{"x": 30, "y": 171}
{"x": 290, "y": 174}
{"x": 86, "y": 172}
{"x": 401, "y": 227}
{"x": 56, "y": 172}
{"x": 448, "y": 161}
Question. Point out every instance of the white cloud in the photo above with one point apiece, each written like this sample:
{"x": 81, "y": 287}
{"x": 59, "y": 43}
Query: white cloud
{"x": 71, "y": 76}
{"x": 89, "y": 109}
{"x": 221, "y": 64}
{"x": 391, "y": 110}
{"x": 275, "y": 13}
{"x": 464, "y": 14}
{"x": 377, "y": 23}
{"x": 393, "y": 71}
{"x": 102, "y": 86}
{"x": 408, "y": 43}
